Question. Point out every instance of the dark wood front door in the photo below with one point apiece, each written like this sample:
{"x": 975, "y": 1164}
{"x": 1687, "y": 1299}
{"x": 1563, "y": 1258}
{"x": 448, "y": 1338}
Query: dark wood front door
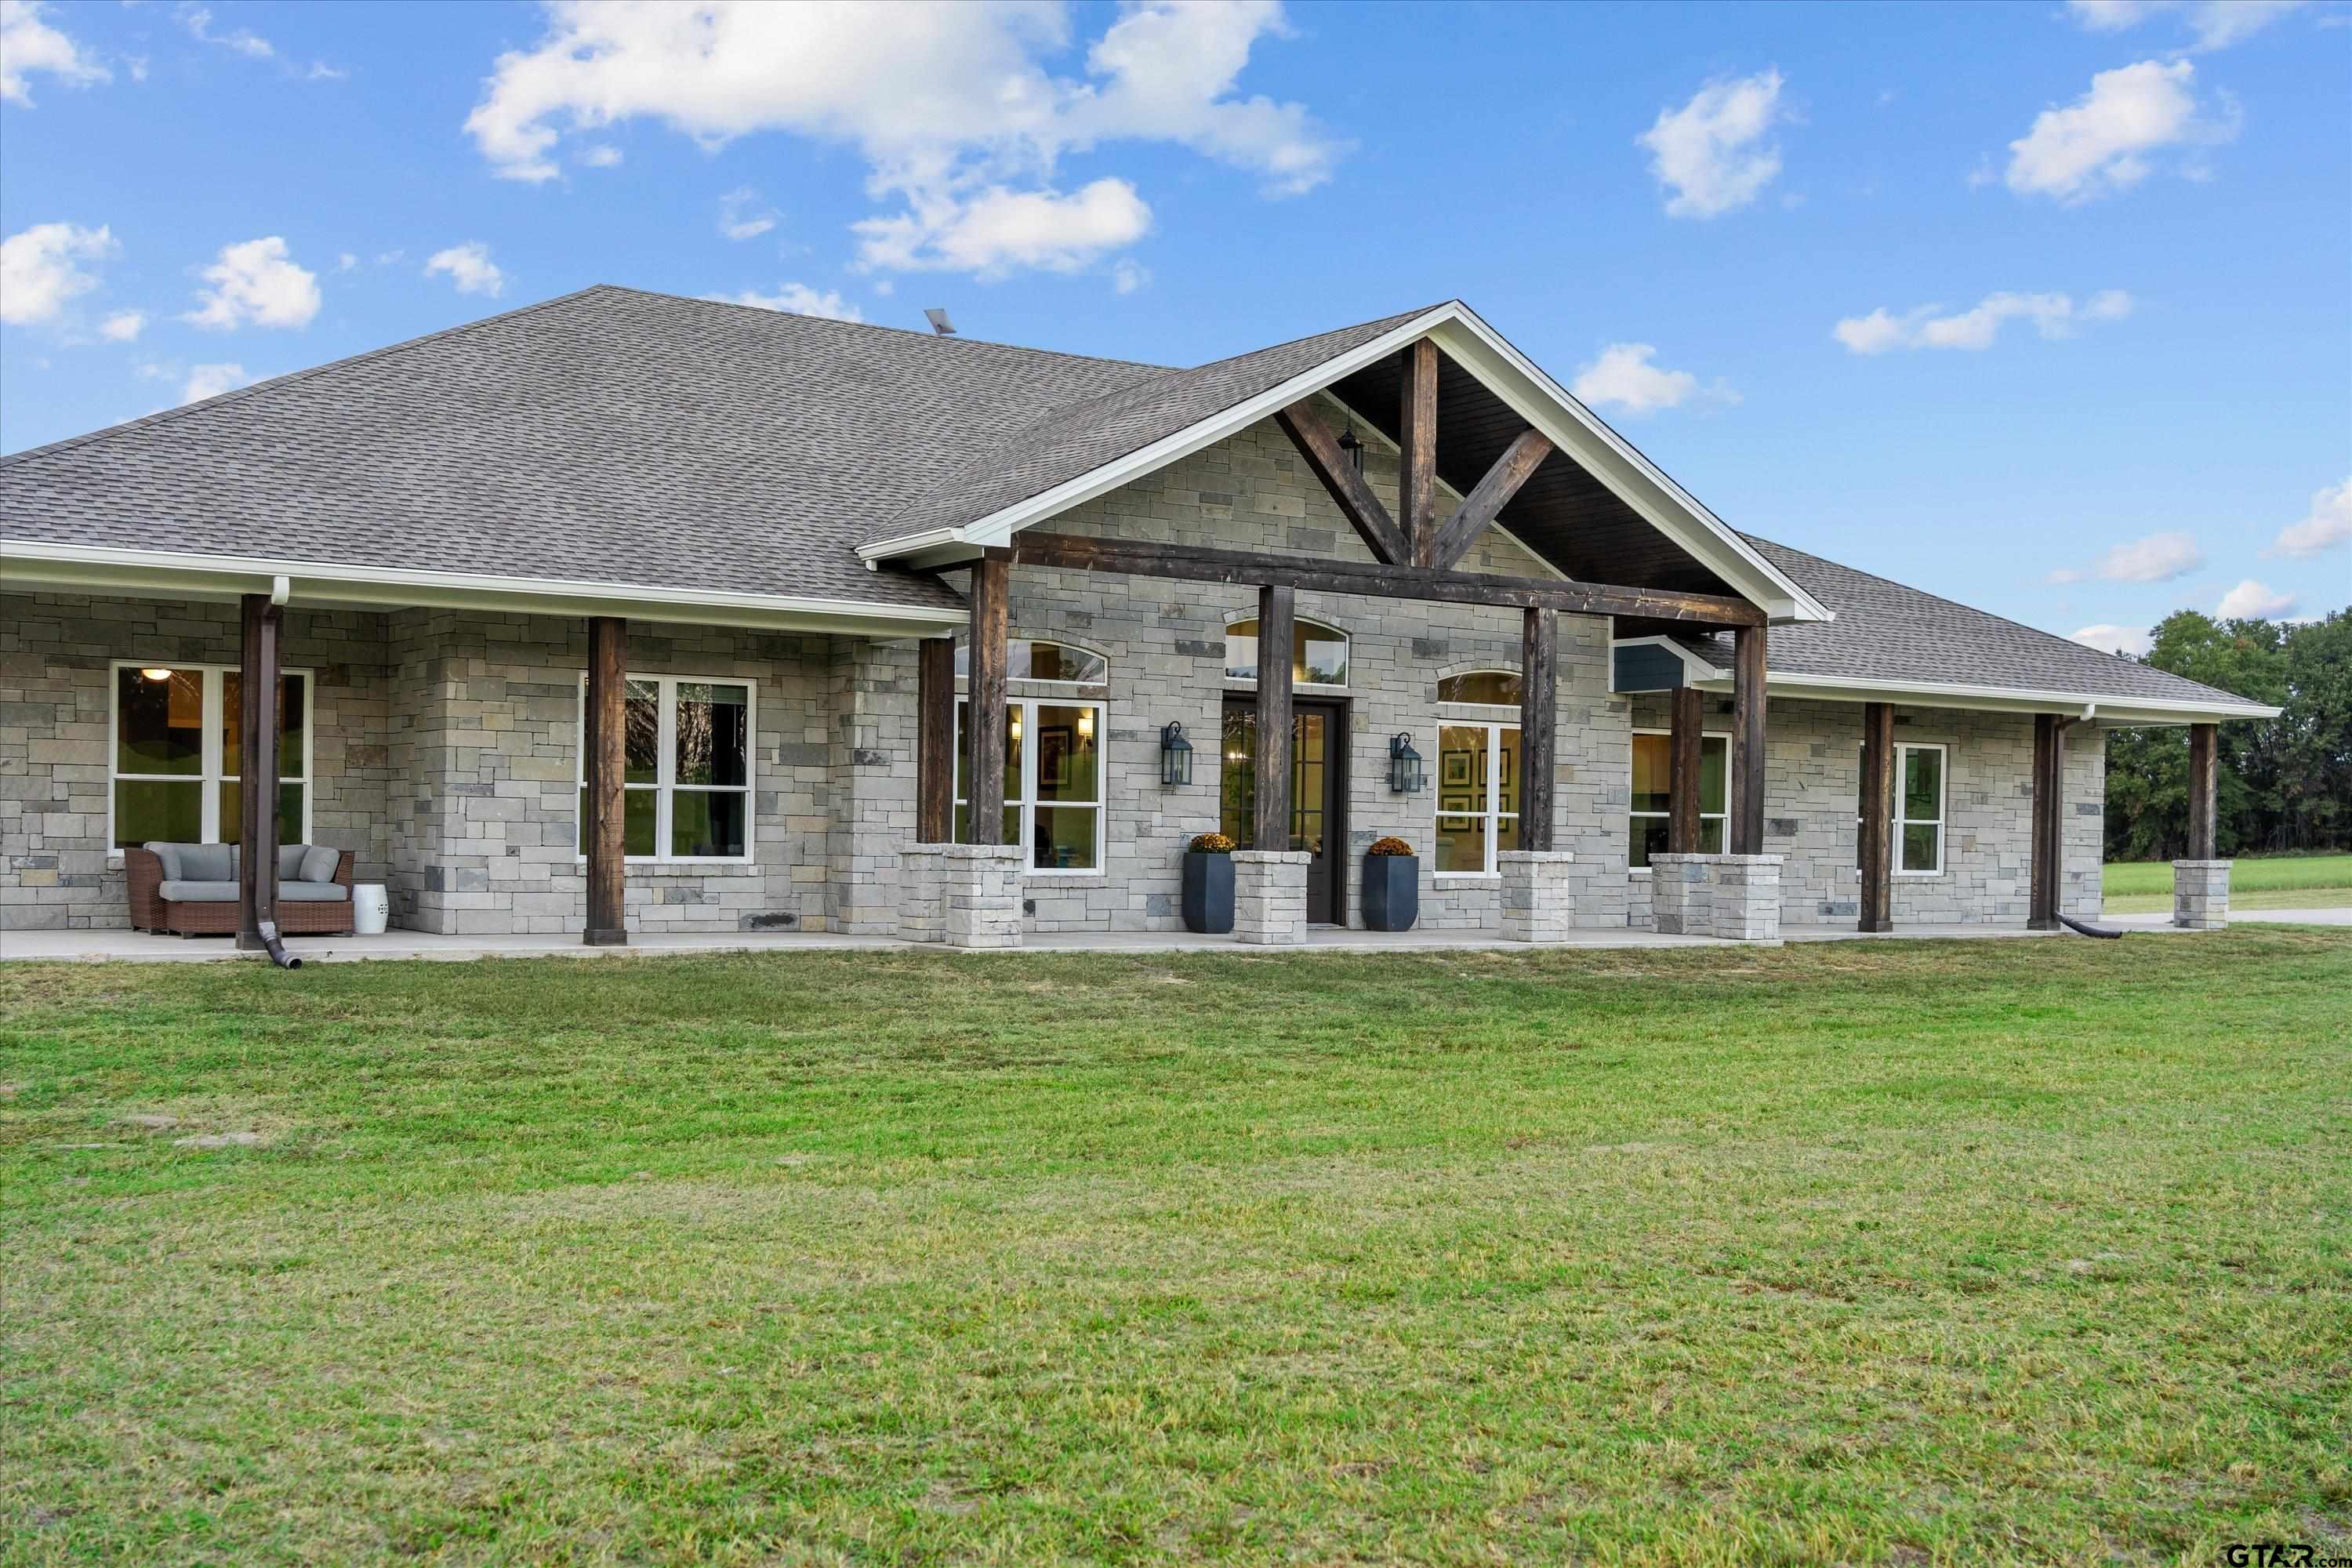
{"x": 1319, "y": 795}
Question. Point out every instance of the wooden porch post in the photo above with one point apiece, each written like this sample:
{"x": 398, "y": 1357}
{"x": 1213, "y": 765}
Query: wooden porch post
{"x": 2049, "y": 822}
{"x": 1685, "y": 730}
{"x": 1747, "y": 741}
{"x": 984, "y": 767}
{"x": 1538, "y": 723}
{"x": 605, "y": 750}
{"x": 1876, "y": 845}
{"x": 935, "y": 741}
{"x": 2204, "y": 825}
{"x": 1276, "y": 630}
{"x": 257, "y": 722}
{"x": 1417, "y": 453}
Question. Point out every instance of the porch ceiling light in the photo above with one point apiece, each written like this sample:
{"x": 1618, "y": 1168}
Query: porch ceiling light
{"x": 1175, "y": 756}
{"x": 1405, "y": 775}
{"x": 155, "y": 674}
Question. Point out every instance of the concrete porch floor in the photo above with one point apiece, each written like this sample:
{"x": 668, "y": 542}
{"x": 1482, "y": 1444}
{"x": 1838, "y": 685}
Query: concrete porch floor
{"x": 144, "y": 947}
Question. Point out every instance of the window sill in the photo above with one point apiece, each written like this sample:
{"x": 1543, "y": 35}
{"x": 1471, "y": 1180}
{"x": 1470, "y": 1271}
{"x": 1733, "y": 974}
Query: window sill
{"x": 1048, "y": 874}
{"x": 687, "y": 864}
{"x": 1443, "y": 877}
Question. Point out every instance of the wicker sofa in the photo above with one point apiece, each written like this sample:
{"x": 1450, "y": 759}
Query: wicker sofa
{"x": 192, "y": 889}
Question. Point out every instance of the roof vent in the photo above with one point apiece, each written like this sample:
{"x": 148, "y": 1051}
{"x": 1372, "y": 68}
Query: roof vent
{"x": 938, "y": 317}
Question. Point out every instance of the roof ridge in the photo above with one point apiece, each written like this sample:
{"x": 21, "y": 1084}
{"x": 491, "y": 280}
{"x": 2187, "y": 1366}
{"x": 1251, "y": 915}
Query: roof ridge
{"x": 222, "y": 399}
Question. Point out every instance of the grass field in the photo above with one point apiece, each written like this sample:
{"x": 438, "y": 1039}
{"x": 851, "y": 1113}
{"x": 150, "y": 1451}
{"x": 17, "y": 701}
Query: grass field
{"x": 2265, "y": 882}
{"x": 1872, "y": 1252}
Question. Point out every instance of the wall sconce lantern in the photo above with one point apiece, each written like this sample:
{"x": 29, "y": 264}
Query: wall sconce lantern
{"x": 1405, "y": 776}
{"x": 1175, "y": 756}
{"x": 1352, "y": 446}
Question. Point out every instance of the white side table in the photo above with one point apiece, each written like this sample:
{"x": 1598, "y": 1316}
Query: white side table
{"x": 371, "y": 908}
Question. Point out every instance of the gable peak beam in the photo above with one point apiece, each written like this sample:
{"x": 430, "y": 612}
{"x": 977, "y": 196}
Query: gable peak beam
{"x": 1517, "y": 465}
{"x": 1346, "y": 486}
{"x": 1417, "y": 451}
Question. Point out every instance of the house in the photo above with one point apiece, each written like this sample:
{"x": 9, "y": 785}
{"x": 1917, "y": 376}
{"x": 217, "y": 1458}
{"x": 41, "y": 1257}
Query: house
{"x": 631, "y": 612}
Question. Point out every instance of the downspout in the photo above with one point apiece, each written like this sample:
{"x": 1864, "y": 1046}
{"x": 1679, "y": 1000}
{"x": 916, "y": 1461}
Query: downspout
{"x": 2090, "y": 711}
{"x": 280, "y": 589}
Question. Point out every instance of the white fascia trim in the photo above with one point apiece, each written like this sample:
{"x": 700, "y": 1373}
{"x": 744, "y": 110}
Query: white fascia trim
{"x": 2108, "y": 710}
{"x": 1697, "y": 670}
{"x": 1633, "y": 477}
{"x": 31, "y": 564}
{"x": 999, "y": 527}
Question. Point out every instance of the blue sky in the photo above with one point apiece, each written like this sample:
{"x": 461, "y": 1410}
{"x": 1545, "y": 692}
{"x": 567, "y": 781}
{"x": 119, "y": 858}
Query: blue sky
{"x": 2047, "y": 306}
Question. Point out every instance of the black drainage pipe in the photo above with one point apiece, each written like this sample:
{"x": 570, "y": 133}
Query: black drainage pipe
{"x": 2070, "y": 923}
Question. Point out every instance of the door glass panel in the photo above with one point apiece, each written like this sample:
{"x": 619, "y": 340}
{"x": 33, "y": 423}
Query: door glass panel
{"x": 161, "y": 726}
{"x": 170, "y": 810}
{"x": 1237, "y": 776}
{"x": 1309, "y": 759}
{"x": 714, "y": 734}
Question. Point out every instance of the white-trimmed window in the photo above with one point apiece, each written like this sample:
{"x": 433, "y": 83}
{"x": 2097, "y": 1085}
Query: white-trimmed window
{"x": 1920, "y": 769}
{"x": 1478, "y": 771}
{"x": 173, "y": 757}
{"x": 1652, "y": 795}
{"x": 1053, "y": 782}
{"x": 687, "y": 748}
{"x": 1035, "y": 659}
{"x": 1319, "y": 654}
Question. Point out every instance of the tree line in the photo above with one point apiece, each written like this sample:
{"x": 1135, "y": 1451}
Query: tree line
{"x": 2285, "y": 783}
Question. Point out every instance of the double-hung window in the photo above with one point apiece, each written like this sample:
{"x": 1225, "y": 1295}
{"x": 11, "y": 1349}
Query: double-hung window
{"x": 1478, "y": 781}
{"x": 175, "y": 754}
{"x": 1919, "y": 795}
{"x": 687, "y": 768}
{"x": 1652, "y": 795}
{"x": 1053, "y": 781}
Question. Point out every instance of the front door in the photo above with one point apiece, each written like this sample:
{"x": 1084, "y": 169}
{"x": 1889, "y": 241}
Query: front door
{"x": 1319, "y": 795}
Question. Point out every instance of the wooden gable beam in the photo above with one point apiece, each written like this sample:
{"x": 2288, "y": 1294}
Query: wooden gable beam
{"x": 1348, "y": 490}
{"x": 1492, "y": 494}
{"x": 1417, "y": 451}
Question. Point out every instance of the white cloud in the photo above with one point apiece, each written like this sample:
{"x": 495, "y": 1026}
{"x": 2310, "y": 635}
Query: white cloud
{"x": 211, "y": 380}
{"x": 1623, "y": 375}
{"x": 1710, "y": 152}
{"x": 2104, "y": 141}
{"x": 961, "y": 123}
{"x": 123, "y": 326}
{"x": 2328, "y": 524}
{"x": 2216, "y": 23}
{"x": 743, "y": 216}
{"x": 603, "y": 155}
{"x": 2111, "y": 639}
{"x": 346, "y": 261}
{"x": 1127, "y": 277}
{"x": 799, "y": 300}
{"x": 2158, "y": 558}
{"x": 27, "y": 44}
{"x": 255, "y": 283}
{"x": 198, "y": 21}
{"x": 2052, "y": 315}
{"x": 39, "y": 272}
{"x": 999, "y": 230}
{"x": 469, "y": 267}
{"x": 2253, "y": 601}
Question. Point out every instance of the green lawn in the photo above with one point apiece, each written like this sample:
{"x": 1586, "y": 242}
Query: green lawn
{"x": 2264, "y": 882}
{"x": 1874, "y": 1252}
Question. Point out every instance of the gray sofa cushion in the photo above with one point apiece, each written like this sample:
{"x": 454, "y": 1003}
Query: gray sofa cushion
{"x": 193, "y": 890}
{"x": 208, "y": 863}
{"x": 289, "y": 861}
{"x": 167, "y": 854}
{"x": 312, "y": 893}
{"x": 318, "y": 863}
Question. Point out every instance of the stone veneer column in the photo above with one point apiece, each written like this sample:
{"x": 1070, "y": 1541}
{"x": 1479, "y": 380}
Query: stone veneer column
{"x": 1539, "y": 904}
{"x": 1270, "y": 897}
{"x": 979, "y": 894}
{"x": 2201, "y": 894}
{"x": 921, "y": 915}
{"x": 1734, "y": 897}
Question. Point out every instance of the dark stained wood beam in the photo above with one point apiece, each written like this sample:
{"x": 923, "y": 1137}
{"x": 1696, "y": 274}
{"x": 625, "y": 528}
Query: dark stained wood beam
{"x": 1311, "y": 574}
{"x": 1875, "y": 853}
{"x": 1417, "y": 451}
{"x": 935, "y": 741}
{"x": 1345, "y": 485}
{"x": 984, "y": 778}
{"x": 1489, "y": 496}
{"x": 2204, "y": 791}
{"x": 1277, "y": 622}
{"x": 1538, "y": 724}
{"x": 257, "y": 699}
{"x": 1686, "y": 729}
{"x": 604, "y": 750}
{"x": 1747, "y": 741}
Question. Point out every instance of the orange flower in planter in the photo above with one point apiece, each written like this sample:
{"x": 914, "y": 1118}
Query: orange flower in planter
{"x": 1210, "y": 844}
{"x": 1390, "y": 846}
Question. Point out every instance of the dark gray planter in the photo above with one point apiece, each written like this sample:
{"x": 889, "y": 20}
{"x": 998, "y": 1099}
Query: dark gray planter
{"x": 1392, "y": 891}
{"x": 1208, "y": 892}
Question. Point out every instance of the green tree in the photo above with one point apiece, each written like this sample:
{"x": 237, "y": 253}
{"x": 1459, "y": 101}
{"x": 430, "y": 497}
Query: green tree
{"x": 2314, "y": 746}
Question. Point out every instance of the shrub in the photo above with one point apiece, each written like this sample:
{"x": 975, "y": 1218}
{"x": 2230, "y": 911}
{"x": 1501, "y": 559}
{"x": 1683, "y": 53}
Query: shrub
{"x": 1211, "y": 843}
{"x": 1390, "y": 846}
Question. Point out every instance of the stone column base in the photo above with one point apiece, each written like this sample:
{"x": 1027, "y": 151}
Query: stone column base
{"x": 1536, "y": 903}
{"x": 965, "y": 895}
{"x": 1734, "y": 897}
{"x": 2201, "y": 894}
{"x": 921, "y": 916}
{"x": 1270, "y": 897}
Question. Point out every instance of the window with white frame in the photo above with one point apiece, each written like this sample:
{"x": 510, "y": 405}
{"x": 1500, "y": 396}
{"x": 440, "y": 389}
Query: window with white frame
{"x": 1053, "y": 782}
{"x": 1319, "y": 654}
{"x": 685, "y": 768}
{"x": 1477, "y": 794}
{"x": 176, "y": 762}
{"x": 1652, "y": 795}
{"x": 1034, "y": 659}
{"x": 1918, "y": 825}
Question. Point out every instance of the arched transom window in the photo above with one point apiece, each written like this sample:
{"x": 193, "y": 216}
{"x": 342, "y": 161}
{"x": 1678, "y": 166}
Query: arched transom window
{"x": 1491, "y": 688}
{"x": 1034, "y": 659}
{"x": 1319, "y": 654}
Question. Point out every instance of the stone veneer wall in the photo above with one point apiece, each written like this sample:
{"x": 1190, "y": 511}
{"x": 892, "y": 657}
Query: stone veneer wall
{"x": 56, "y": 704}
{"x": 1813, "y": 779}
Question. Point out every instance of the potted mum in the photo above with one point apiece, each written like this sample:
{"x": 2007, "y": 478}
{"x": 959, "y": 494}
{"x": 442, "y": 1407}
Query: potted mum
{"x": 1209, "y": 884}
{"x": 1392, "y": 885}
